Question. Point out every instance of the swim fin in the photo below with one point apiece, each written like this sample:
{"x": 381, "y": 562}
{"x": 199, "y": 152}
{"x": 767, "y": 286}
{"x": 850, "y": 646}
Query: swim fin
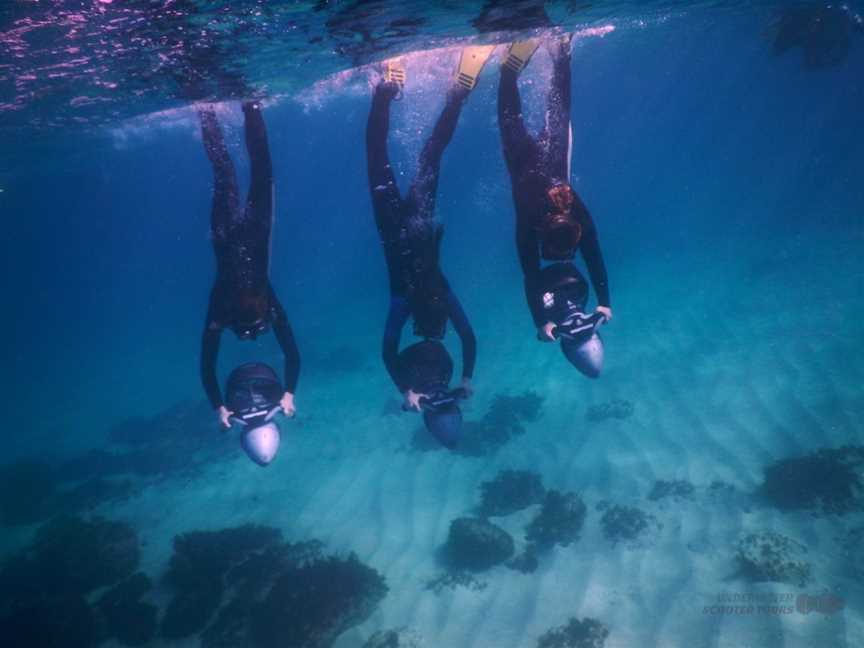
{"x": 394, "y": 72}
{"x": 471, "y": 62}
{"x": 518, "y": 54}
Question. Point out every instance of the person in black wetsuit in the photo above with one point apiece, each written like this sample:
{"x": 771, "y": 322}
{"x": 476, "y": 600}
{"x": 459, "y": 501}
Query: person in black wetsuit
{"x": 242, "y": 298}
{"x": 411, "y": 239}
{"x": 552, "y": 223}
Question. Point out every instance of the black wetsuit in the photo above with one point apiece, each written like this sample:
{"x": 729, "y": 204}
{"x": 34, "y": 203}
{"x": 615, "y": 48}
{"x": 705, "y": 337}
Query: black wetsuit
{"x": 535, "y": 166}
{"x": 241, "y": 241}
{"x": 410, "y": 236}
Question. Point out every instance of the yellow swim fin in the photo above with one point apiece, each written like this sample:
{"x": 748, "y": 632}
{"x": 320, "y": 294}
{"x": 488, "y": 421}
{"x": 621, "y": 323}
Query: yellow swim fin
{"x": 471, "y": 62}
{"x": 394, "y": 72}
{"x": 518, "y": 54}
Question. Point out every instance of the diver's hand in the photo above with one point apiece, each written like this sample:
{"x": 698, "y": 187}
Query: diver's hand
{"x": 466, "y": 385}
{"x": 412, "y": 400}
{"x": 605, "y": 311}
{"x": 224, "y": 416}
{"x": 287, "y": 404}
{"x": 546, "y": 332}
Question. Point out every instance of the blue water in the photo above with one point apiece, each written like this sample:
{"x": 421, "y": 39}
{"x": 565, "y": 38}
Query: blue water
{"x": 726, "y": 186}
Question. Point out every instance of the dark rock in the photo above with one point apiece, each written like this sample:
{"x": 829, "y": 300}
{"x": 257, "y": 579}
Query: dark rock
{"x": 311, "y": 605}
{"x": 474, "y": 544}
{"x": 617, "y": 409}
{"x": 64, "y": 621}
{"x": 511, "y": 491}
{"x": 585, "y": 633}
{"x": 559, "y": 521}
{"x": 674, "y": 488}
{"x": 130, "y": 621}
{"x": 773, "y": 557}
{"x": 826, "y": 481}
{"x": 26, "y": 493}
{"x": 624, "y": 523}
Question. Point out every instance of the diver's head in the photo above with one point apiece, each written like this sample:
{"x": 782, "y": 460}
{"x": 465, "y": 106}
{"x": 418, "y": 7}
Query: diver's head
{"x": 261, "y": 443}
{"x": 560, "y": 232}
{"x": 585, "y": 355}
{"x": 445, "y": 424}
{"x": 251, "y": 315}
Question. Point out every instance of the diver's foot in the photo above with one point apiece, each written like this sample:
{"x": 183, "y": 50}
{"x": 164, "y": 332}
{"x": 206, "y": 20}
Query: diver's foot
{"x": 388, "y": 89}
{"x": 559, "y": 45}
{"x": 250, "y": 106}
{"x": 519, "y": 55}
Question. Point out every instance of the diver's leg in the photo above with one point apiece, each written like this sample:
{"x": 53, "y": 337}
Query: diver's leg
{"x": 556, "y": 133}
{"x": 422, "y": 193}
{"x": 225, "y": 194}
{"x": 515, "y": 140}
{"x": 259, "y": 206}
{"x": 382, "y": 182}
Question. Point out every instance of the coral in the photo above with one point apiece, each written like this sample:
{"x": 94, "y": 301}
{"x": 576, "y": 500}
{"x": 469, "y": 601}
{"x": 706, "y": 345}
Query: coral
{"x": 75, "y": 555}
{"x": 475, "y": 544}
{"x": 399, "y": 638}
{"x": 674, "y": 488}
{"x": 93, "y": 492}
{"x": 770, "y": 556}
{"x": 198, "y": 565}
{"x": 625, "y": 523}
{"x": 452, "y": 580}
{"x": 585, "y": 633}
{"x": 309, "y": 606}
{"x": 618, "y": 409}
{"x": 510, "y": 491}
{"x": 826, "y": 480}
{"x": 559, "y": 521}
{"x": 132, "y": 622}
{"x": 526, "y": 562}
{"x": 26, "y": 493}
{"x": 55, "y": 622}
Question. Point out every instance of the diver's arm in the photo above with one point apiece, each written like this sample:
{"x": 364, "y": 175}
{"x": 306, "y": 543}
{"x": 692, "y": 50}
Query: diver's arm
{"x": 596, "y": 267}
{"x": 529, "y": 259}
{"x": 288, "y": 344}
{"x": 396, "y": 318}
{"x": 209, "y": 354}
{"x": 466, "y": 336}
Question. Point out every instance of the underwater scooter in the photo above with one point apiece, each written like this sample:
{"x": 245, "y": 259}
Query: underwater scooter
{"x": 253, "y": 394}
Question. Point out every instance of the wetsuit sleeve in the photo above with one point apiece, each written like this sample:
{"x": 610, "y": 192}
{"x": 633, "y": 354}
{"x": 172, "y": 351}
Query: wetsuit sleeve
{"x": 596, "y": 267}
{"x": 386, "y": 200}
{"x": 209, "y": 354}
{"x": 285, "y": 337}
{"x": 425, "y": 186}
{"x": 466, "y": 334}
{"x": 396, "y": 318}
{"x": 529, "y": 259}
